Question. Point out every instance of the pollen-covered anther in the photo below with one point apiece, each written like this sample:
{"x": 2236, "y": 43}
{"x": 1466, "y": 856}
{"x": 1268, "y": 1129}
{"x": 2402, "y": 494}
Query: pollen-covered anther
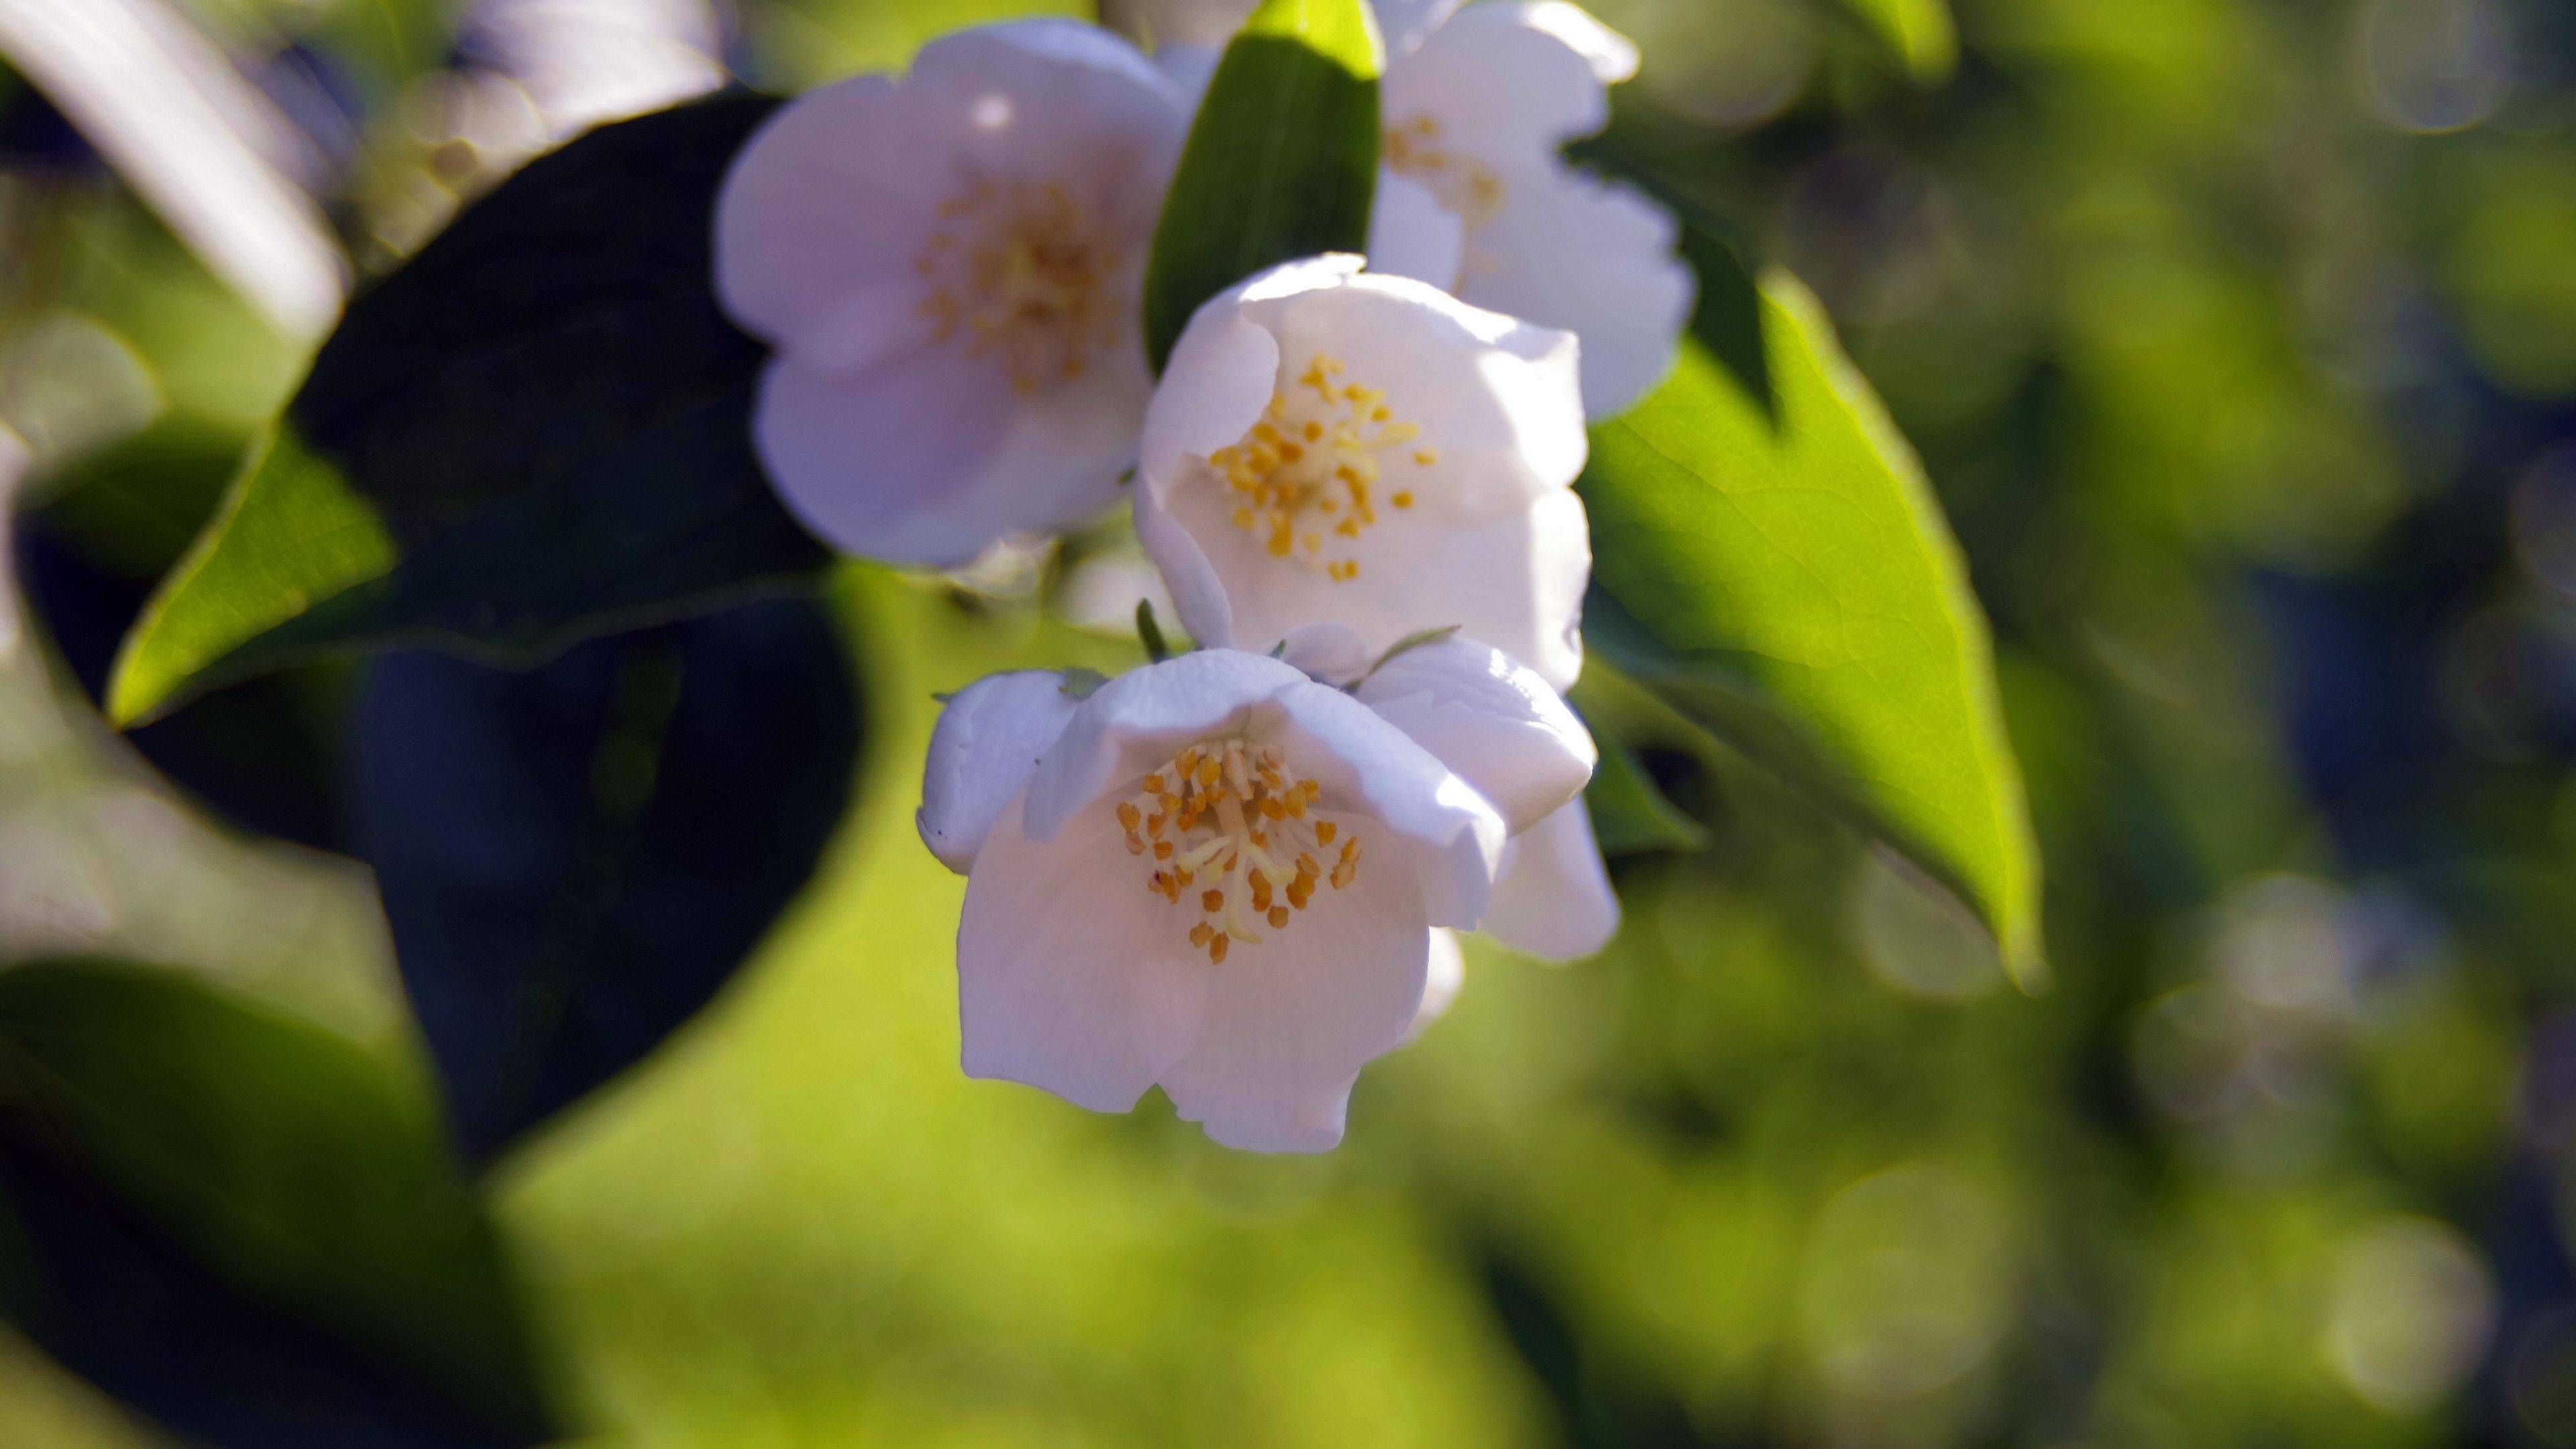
{"x": 1233, "y": 814}
{"x": 1305, "y": 479}
{"x": 1020, "y": 273}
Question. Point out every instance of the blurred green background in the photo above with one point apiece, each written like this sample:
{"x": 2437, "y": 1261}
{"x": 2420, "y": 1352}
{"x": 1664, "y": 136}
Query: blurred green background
{"x": 2239, "y": 339}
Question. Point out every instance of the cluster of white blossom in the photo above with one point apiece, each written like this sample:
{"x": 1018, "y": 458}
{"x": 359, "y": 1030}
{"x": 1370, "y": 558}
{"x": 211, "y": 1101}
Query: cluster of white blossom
{"x": 1231, "y": 873}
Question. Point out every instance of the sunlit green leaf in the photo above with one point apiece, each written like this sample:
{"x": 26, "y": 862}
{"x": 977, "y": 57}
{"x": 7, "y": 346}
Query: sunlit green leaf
{"x": 1771, "y": 561}
{"x": 1281, "y": 162}
{"x": 1919, "y": 31}
{"x": 534, "y": 432}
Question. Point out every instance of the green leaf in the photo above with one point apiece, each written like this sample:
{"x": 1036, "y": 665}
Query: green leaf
{"x": 1281, "y": 162}
{"x": 536, "y": 431}
{"x": 1149, "y": 632}
{"x": 202, "y": 1192}
{"x": 664, "y": 794}
{"x": 1919, "y": 31}
{"x": 292, "y": 532}
{"x": 1630, "y": 814}
{"x": 1770, "y": 560}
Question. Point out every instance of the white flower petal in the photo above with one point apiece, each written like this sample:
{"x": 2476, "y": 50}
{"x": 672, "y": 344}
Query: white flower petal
{"x": 1441, "y": 981}
{"x": 863, "y": 459}
{"x": 1487, "y": 101}
{"x": 1219, "y": 378}
{"x": 1490, "y": 393}
{"x": 1190, "y": 65}
{"x": 1502, "y": 81}
{"x": 1515, "y": 582}
{"x": 1449, "y": 834}
{"x": 990, "y": 737}
{"x": 873, "y": 324}
{"x": 928, "y": 462}
{"x": 1070, "y": 976}
{"x": 982, "y": 55}
{"x": 1135, "y": 722}
{"x": 1366, "y": 766}
{"x": 1492, "y": 721}
{"x": 1289, "y": 1023}
{"x": 1289, "y": 279}
{"x": 1333, "y": 654}
{"x": 827, "y": 199}
{"x": 1412, "y": 235}
{"x": 1473, "y": 433}
{"x": 1612, "y": 56}
{"x": 1052, "y": 97}
{"x": 917, "y": 412}
{"x": 1553, "y": 897}
{"x": 1198, "y": 595}
{"x": 1573, "y": 251}
{"x": 1085, "y": 967}
{"x": 1404, "y": 23}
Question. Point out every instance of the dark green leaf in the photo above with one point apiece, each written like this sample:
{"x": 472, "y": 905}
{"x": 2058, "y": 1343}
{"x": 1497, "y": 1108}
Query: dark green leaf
{"x": 246, "y": 1228}
{"x": 574, "y": 860}
{"x": 264, "y": 756}
{"x": 1149, "y": 632}
{"x": 534, "y": 432}
{"x": 1778, "y": 570}
{"x": 1281, "y": 162}
{"x": 1630, "y": 814}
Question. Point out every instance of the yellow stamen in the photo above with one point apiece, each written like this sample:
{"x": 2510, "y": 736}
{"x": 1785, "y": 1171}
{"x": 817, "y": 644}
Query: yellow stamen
{"x": 1314, "y": 455}
{"x": 1245, "y": 821}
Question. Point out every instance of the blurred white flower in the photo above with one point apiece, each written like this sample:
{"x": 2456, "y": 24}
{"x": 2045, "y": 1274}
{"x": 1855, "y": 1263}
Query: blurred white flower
{"x": 197, "y": 141}
{"x": 1334, "y": 447}
{"x": 1473, "y": 195}
{"x": 587, "y": 61}
{"x": 1219, "y": 875}
{"x": 2414, "y": 1309}
{"x": 949, "y": 266}
{"x": 1476, "y": 111}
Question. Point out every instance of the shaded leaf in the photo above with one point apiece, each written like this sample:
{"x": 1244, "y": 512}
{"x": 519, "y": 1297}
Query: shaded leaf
{"x": 536, "y": 431}
{"x": 575, "y": 860}
{"x": 1630, "y": 813}
{"x": 262, "y": 755}
{"x": 1919, "y": 31}
{"x": 1281, "y": 161}
{"x": 1783, "y": 576}
{"x": 244, "y": 1227}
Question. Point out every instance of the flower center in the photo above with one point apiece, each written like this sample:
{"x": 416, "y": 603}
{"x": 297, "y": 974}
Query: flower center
{"x": 1234, "y": 836}
{"x": 1464, "y": 185}
{"x": 1018, "y": 271}
{"x": 1305, "y": 478}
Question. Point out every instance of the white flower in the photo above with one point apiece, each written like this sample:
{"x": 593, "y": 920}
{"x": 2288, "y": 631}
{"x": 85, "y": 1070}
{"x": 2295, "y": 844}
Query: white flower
{"x": 1476, "y": 110}
{"x": 1473, "y": 196}
{"x": 1552, "y": 895}
{"x": 949, "y": 266}
{"x": 1335, "y": 447}
{"x": 201, "y": 144}
{"x": 1219, "y": 875}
